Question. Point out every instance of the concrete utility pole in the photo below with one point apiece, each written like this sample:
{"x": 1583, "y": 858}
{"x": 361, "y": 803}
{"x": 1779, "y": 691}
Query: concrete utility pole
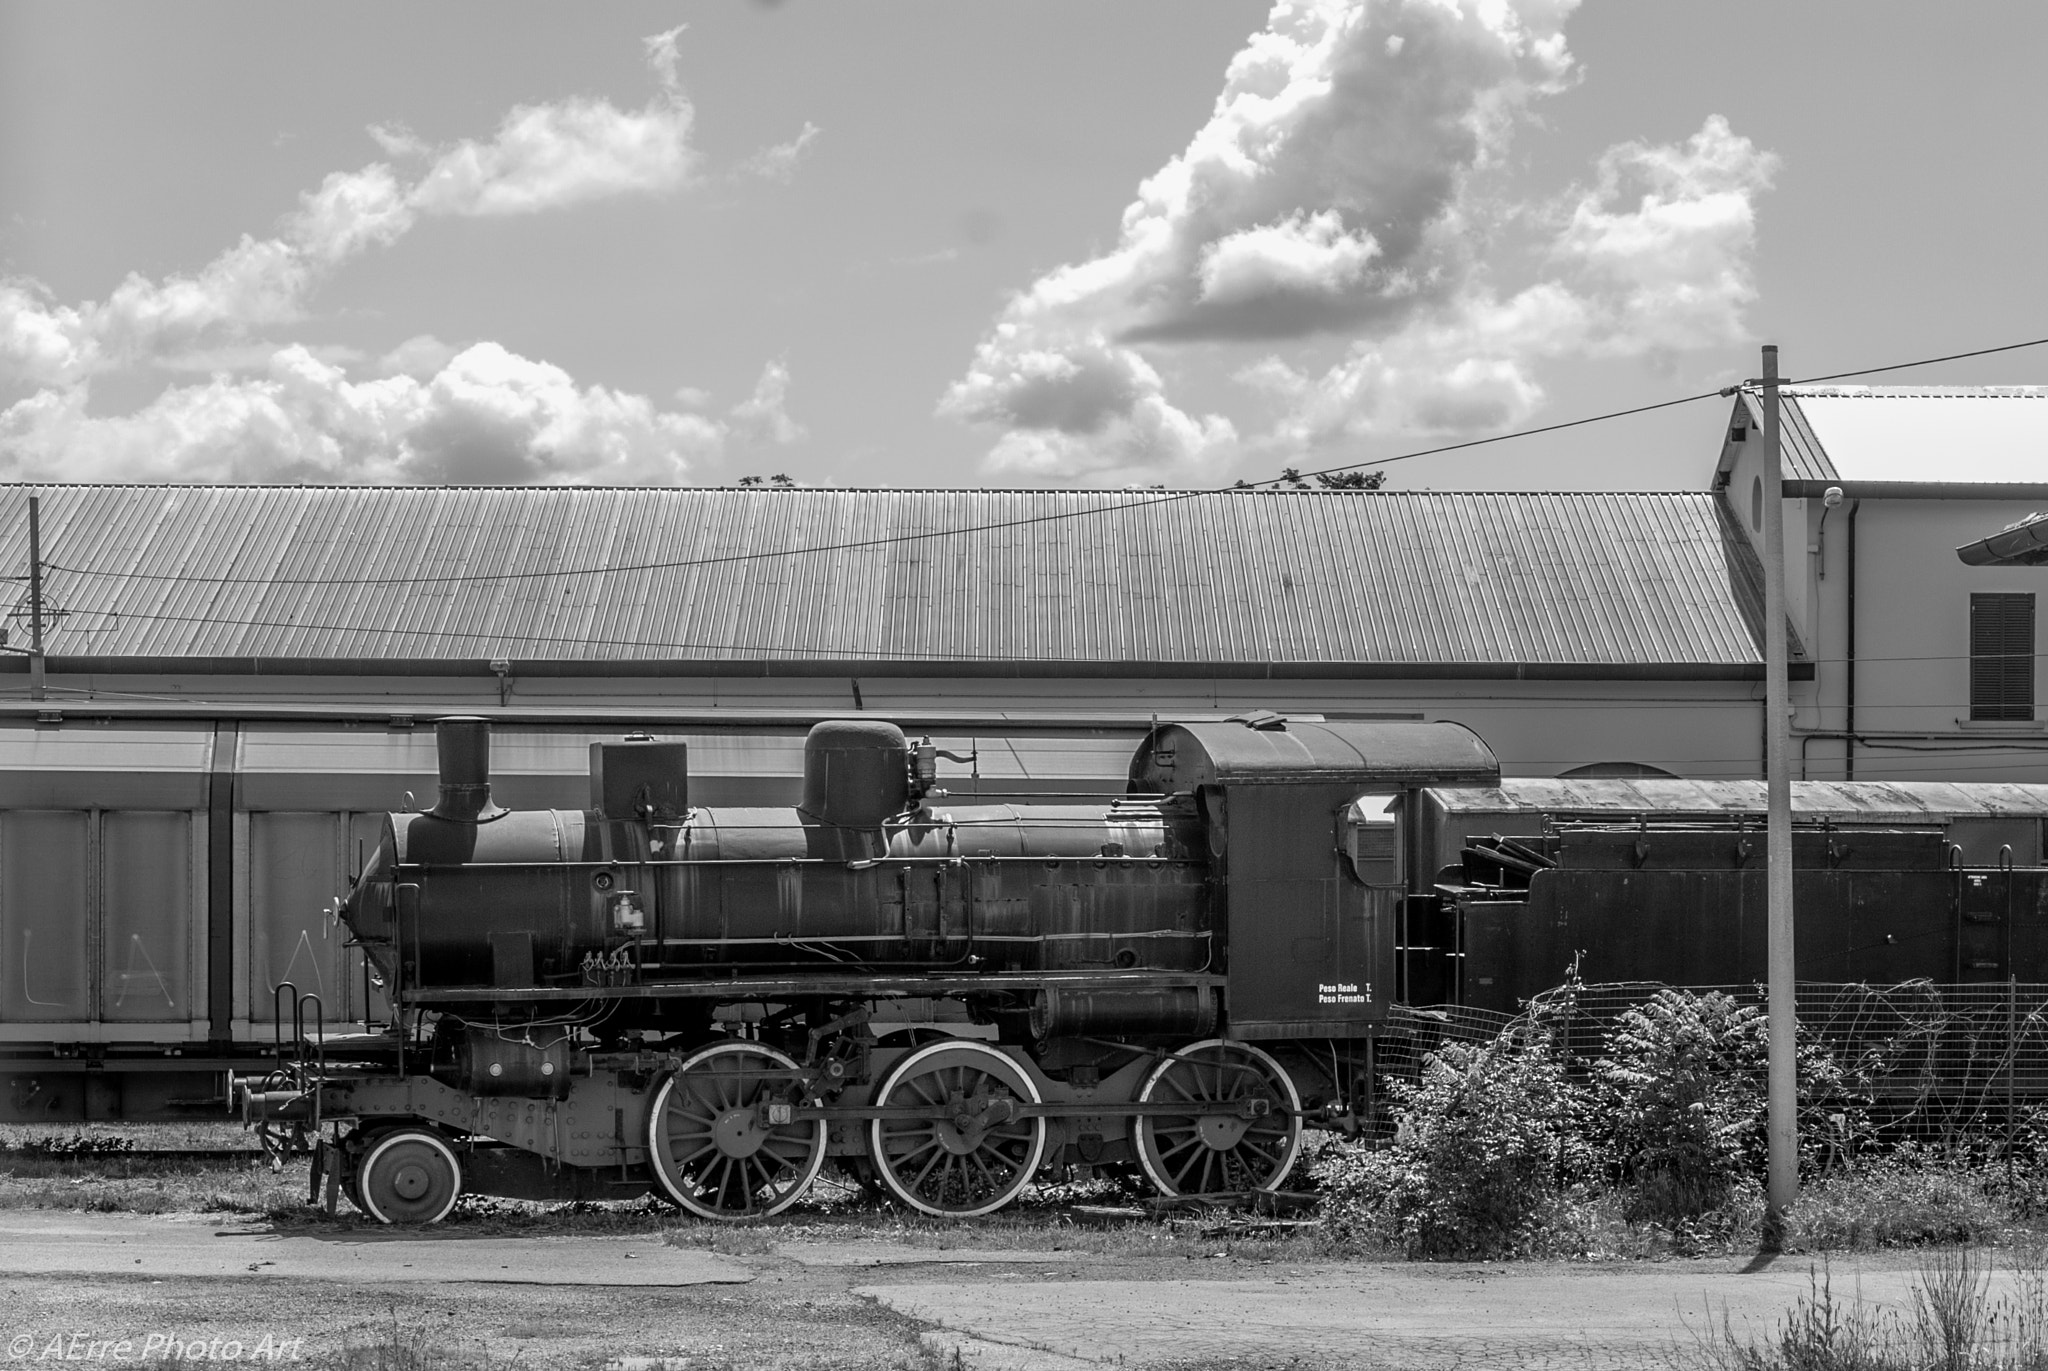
{"x": 1782, "y": 1186}
{"x": 35, "y": 598}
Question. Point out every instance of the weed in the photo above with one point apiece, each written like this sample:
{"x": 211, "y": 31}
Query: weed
{"x": 1907, "y": 1199}
{"x": 1957, "y": 1321}
{"x": 409, "y": 1342}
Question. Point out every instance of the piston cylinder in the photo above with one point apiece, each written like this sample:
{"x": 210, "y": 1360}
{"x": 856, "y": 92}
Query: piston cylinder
{"x": 490, "y": 1065}
{"x": 1178, "y": 1011}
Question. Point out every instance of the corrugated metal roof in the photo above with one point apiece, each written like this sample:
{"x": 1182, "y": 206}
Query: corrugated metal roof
{"x": 665, "y": 576}
{"x": 1885, "y": 802}
{"x": 1903, "y": 435}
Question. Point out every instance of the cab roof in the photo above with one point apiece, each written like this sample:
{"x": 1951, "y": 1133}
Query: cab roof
{"x": 1269, "y": 749}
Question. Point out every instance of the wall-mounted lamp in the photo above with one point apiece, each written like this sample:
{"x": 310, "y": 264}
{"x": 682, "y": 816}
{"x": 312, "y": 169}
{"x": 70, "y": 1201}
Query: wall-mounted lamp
{"x": 1829, "y": 499}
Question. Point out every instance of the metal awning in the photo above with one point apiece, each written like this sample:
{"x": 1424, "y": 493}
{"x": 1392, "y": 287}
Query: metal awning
{"x": 2022, "y": 544}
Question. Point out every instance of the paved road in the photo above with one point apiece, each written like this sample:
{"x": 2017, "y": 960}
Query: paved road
{"x": 1536, "y": 1316}
{"x": 161, "y": 1247}
{"x": 817, "y": 1302}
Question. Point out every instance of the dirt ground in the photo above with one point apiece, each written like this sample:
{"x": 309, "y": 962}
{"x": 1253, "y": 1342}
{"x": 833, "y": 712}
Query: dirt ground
{"x": 819, "y": 1296}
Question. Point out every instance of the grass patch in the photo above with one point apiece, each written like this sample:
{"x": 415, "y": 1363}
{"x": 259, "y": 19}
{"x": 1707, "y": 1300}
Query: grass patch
{"x": 1958, "y": 1320}
{"x": 127, "y": 1137}
{"x": 1899, "y": 1201}
{"x": 411, "y": 1341}
{"x": 135, "y": 1183}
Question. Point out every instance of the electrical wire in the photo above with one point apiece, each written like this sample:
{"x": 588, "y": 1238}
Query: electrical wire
{"x": 799, "y": 653}
{"x": 996, "y": 526}
{"x": 1923, "y": 362}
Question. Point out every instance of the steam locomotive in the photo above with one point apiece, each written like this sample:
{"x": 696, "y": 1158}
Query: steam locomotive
{"x": 943, "y": 1000}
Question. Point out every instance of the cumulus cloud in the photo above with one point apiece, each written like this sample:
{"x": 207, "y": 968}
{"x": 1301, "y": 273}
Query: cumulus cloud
{"x": 549, "y": 156}
{"x": 763, "y": 417}
{"x": 422, "y": 355}
{"x": 542, "y": 157}
{"x": 488, "y": 416}
{"x": 1349, "y": 183}
{"x": 46, "y": 343}
{"x": 1090, "y": 409}
{"x": 1651, "y": 260}
{"x": 1664, "y": 238}
{"x": 425, "y": 411}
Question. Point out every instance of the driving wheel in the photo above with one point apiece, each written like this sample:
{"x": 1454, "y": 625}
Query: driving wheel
{"x": 1242, "y": 1128}
{"x": 969, "y": 1150}
{"x": 721, "y": 1140}
{"x": 408, "y": 1176}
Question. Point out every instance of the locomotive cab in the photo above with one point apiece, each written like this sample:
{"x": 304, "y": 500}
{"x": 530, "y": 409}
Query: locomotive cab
{"x": 1305, "y": 820}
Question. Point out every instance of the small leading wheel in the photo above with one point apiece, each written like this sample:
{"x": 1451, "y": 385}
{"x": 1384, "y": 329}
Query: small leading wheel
{"x": 1242, "y": 1129}
{"x": 408, "y": 1175}
{"x": 716, "y": 1147}
{"x": 975, "y": 1152}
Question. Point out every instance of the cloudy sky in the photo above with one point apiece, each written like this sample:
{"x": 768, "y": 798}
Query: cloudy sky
{"x": 934, "y": 243}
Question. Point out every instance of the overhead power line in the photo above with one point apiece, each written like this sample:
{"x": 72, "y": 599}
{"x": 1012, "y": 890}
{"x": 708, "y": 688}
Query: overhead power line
{"x": 1144, "y": 502}
{"x": 995, "y": 526}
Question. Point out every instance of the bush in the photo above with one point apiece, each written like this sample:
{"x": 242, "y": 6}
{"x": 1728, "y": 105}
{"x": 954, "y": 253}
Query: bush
{"x": 1681, "y": 1097}
{"x": 1489, "y": 1136}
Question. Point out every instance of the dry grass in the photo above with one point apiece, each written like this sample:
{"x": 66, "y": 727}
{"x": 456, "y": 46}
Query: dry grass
{"x": 135, "y": 1183}
{"x": 135, "y": 1137}
{"x": 412, "y": 1341}
{"x": 1959, "y": 1320}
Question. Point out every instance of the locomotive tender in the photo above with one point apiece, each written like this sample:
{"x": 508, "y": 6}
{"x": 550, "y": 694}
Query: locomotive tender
{"x": 1662, "y": 880}
{"x": 941, "y": 999}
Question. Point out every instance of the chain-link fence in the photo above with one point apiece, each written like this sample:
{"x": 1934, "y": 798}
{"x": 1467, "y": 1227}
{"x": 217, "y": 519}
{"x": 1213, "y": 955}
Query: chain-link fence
{"x": 1945, "y": 1065}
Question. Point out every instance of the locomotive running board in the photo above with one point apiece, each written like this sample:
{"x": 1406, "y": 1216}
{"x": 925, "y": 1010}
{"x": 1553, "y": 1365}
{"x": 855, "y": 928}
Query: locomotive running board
{"x": 841, "y": 987}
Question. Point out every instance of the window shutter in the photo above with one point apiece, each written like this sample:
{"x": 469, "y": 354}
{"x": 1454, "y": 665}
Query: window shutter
{"x": 2002, "y": 656}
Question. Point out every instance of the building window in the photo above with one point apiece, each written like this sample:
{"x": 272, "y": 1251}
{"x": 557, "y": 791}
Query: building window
{"x": 2002, "y": 656}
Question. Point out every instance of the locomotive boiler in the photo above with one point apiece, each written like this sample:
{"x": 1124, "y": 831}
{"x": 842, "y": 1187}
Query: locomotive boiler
{"x": 941, "y": 999}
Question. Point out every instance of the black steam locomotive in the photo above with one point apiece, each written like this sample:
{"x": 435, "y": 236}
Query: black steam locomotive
{"x": 943, "y": 1000}
{"x": 940, "y": 998}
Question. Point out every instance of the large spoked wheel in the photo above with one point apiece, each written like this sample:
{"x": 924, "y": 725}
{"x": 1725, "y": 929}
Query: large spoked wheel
{"x": 408, "y": 1176}
{"x": 713, "y": 1145}
{"x": 975, "y": 1153}
{"x": 1242, "y": 1129}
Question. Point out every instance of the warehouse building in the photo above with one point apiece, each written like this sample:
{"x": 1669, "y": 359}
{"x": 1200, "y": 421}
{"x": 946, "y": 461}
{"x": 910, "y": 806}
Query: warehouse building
{"x": 1568, "y": 629}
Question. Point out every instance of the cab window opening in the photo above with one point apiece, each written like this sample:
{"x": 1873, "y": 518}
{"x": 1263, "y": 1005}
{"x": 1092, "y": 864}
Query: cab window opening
{"x": 1369, "y": 834}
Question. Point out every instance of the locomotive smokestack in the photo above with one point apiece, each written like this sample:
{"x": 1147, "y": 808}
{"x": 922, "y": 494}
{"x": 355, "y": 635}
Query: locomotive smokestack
{"x": 464, "y": 744}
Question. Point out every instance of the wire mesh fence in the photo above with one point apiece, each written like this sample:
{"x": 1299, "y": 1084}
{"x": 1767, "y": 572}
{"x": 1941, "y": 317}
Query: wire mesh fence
{"x": 1945, "y": 1065}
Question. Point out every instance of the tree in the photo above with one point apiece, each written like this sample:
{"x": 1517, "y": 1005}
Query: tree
{"x": 1329, "y": 480}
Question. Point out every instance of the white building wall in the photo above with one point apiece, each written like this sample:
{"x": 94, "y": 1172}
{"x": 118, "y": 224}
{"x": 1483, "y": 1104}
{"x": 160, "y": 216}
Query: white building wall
{"x": 1536, "y": 727}
{"x": 1912, "y": 670}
